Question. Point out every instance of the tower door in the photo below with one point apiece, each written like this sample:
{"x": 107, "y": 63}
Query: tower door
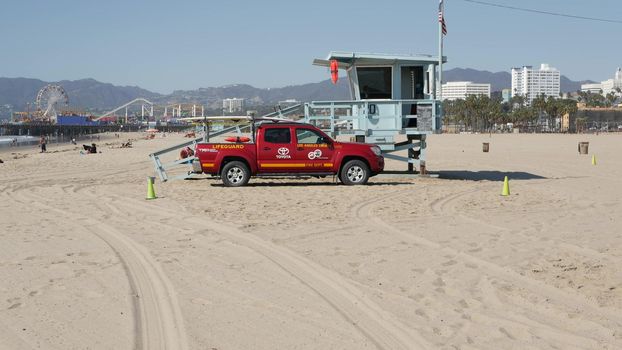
{"x": 411, "y": 89}
{"x": 412, "y": 83}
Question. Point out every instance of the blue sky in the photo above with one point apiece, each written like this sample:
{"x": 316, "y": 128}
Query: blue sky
{"x": 187, "y": 44}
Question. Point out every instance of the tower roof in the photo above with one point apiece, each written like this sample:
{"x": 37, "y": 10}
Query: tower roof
{"x": 347, "y": 59}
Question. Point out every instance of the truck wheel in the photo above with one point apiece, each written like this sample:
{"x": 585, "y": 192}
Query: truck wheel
{"x": 354, "y": 172}
{"x": 235, "y": 174}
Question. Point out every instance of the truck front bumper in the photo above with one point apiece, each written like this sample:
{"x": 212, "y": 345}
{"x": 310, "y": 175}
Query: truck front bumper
{"x": 377, "y": 166}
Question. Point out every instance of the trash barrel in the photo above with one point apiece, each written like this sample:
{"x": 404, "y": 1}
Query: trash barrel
{"x": 485, "y": 147}
{"x": 583, "y": 147}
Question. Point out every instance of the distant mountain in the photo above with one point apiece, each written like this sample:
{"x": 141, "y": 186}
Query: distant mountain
{"x": 568, "y": 85}
{"x": 82, "y": 93}
{"x": 501, "y": 80}
{"x": 95, "y": 95}
{"x": 98, "y": 96}
{"x": 213, "y": 96}
{"x": 18, "y": 91}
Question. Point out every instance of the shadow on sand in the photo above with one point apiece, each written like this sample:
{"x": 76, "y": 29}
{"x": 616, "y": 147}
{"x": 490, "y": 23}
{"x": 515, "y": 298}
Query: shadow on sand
{"x": 298, "y": 182}
{"x": 482, "y": 175}
{"x": 311, "y": 184}
{"x": 487, "y": 175}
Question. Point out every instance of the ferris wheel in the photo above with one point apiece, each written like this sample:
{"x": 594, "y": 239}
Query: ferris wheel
{"x": 48, "y": 98}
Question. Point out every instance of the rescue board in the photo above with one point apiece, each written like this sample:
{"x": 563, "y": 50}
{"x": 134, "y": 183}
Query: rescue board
{"x": 237, "y": 139}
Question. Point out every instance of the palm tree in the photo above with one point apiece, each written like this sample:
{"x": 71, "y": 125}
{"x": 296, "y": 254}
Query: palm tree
{"x": 552, "y": 108}
{"x": 518, "y": 100}
{"x": 539, "y": 104}
{"x": 580, "y": 124}
{"x": 568, "y": 107}
{"x": 611, "y": 99}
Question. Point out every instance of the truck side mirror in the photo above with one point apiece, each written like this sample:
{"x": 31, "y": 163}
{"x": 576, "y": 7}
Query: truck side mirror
{"x": 327, "y": 141}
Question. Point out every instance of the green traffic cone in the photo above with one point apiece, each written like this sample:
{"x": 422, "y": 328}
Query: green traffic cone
{"x": 150, "y": 190}
{"x": 506, "y": 187}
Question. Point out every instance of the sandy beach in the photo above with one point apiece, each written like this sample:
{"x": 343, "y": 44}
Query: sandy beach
{"x": 404, "y": 263}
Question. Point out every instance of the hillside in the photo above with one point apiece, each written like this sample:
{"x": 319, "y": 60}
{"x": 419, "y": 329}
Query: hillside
{"x": 95, "y": 95}
{"x": 98, "y": 96}
{"x": 82, "y": 93}
{"x": 212, "y": 96}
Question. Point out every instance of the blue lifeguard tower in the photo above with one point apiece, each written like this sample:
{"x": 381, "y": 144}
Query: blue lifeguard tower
{"x": 393, "y": 103}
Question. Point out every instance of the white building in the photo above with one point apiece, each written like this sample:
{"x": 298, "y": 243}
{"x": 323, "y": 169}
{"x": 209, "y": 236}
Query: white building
{"x": 593, "y": 88}
{"x": 531, "y": 83}
{"x": 232, "y": 105}
{"x": 606, "y": 86}
{"x": 454, "y": 90}
{"x": 288, "y": 103}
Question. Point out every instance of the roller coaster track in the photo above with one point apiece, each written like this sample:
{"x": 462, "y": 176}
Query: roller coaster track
{"x": 124, "y": 106}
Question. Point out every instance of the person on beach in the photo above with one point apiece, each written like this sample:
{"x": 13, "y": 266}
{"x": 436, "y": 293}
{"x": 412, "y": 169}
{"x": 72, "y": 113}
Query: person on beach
{"x": 42, "y": 142}
{"x": 90, "y": 149}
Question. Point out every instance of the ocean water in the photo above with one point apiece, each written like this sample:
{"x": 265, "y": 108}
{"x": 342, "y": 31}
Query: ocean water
{"x": 7, "y": 140}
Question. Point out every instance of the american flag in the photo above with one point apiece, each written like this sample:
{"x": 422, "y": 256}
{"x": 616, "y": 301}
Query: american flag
{"x": 441, "y": 17}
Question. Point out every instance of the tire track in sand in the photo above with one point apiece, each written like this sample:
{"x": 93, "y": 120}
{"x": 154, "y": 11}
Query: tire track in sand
{"x": 159, "y": 320}
{"x": 378, "y": 325}
{"x": 566, "y": 298}
{"x": 446, "y": 206}
{"x": 544, "y": 326}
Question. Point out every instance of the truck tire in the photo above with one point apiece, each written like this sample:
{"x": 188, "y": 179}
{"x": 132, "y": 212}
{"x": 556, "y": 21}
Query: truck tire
{"x": 354, "y": 172}
{"x": 235, "y": 174}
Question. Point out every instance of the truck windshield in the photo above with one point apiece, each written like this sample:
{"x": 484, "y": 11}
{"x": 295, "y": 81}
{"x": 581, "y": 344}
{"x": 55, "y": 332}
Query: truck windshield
{"x": 309, "y": 136}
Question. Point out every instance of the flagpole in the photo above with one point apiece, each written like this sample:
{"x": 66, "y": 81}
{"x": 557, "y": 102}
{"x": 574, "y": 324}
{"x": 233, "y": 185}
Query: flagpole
{"x": 440, "y": 53}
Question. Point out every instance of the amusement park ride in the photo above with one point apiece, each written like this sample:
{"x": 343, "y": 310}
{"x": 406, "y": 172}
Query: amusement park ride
{"x": 51, "y": 101}
{"x": 146, "y": 108}
{"x": 48, "y": 102}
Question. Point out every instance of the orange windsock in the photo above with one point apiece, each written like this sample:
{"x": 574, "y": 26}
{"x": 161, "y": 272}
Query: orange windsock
{"x": 334, "y": 71}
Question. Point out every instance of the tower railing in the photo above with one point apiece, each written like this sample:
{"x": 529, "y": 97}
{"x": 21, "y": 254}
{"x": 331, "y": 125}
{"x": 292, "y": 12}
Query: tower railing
{"x": 374, "y": 117}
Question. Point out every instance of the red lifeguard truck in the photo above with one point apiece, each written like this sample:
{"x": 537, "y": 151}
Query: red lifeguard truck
{"x": 285, "y": 148}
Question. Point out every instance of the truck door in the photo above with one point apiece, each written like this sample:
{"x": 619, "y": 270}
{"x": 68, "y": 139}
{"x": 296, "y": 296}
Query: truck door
{"x": 313, "y": 149}
{"x": 275, "y": 151}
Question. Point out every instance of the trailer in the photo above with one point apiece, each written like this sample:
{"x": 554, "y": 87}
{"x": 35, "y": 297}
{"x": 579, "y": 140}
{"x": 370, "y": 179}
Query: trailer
{"x": 242, "y": 123}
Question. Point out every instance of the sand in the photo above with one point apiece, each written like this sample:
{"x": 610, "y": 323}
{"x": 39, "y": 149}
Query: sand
{"x": 429, "y": 263}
